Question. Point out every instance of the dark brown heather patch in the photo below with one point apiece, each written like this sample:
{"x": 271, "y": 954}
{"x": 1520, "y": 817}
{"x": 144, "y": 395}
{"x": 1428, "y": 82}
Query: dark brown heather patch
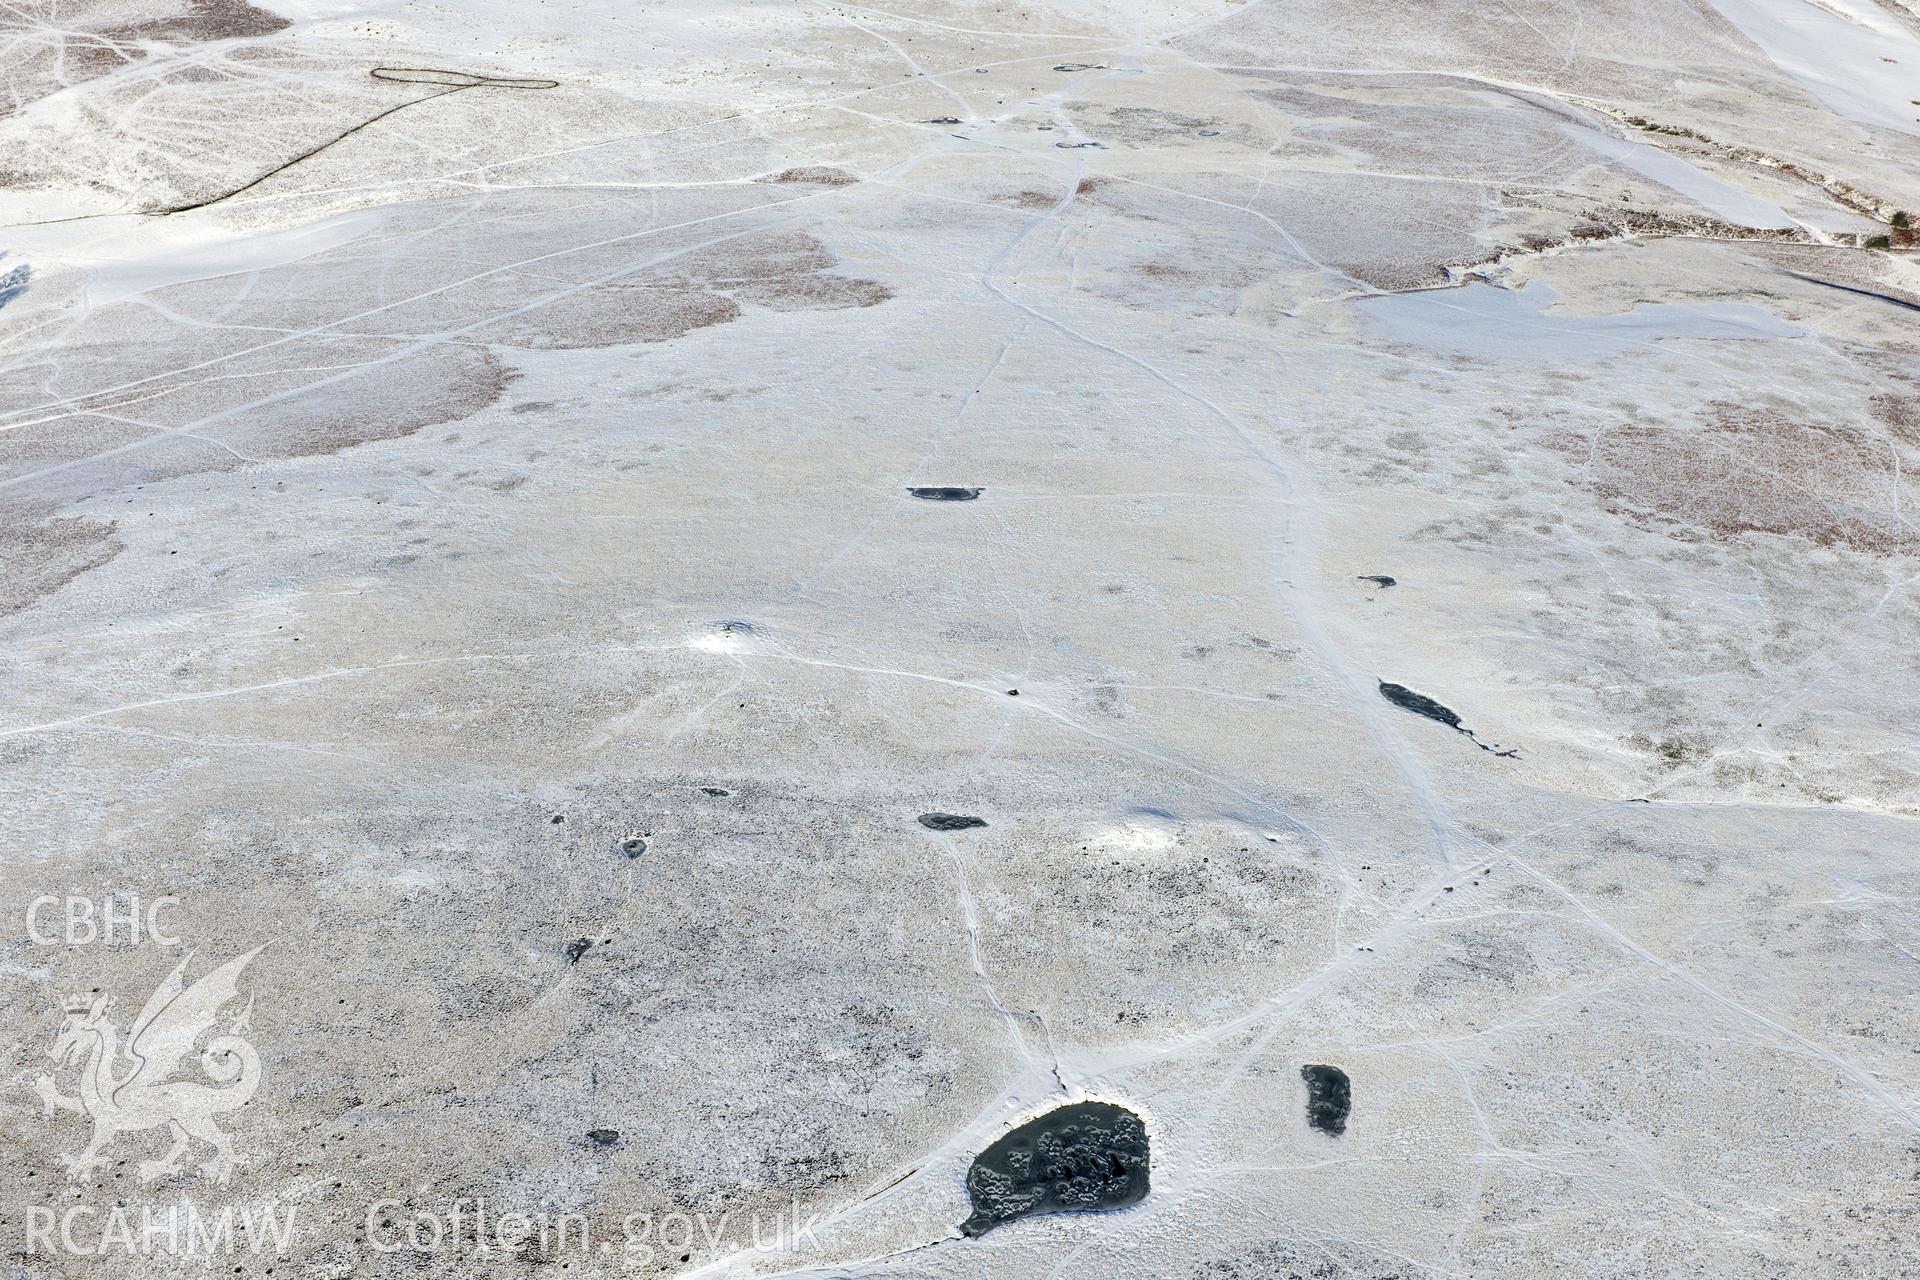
{"x": 442, "y": 384}
{"x": 804, "y": 292}
{"x": 1901, "y": 414}
{"x": 615, "y": 314}
{"x": 772, "y": 255}
{"x": 293, "y": 401}
{"x": 1027, "y": 200}
{"x": 93, "y": 43}
{"x": 778, "y": 270}
{"x": 206, "y": 20}
{"x": 818, "y": 174}
{"x": 27, "y": 449}
{"x": 1753, "y": 470}
{"x": 784, "y": 271}
{"x": 1130, "y": 200}
{"x": 41, "y": 554}
{"x": 1227, "y": 275}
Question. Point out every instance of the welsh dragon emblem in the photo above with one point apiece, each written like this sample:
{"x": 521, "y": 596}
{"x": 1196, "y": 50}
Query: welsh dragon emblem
{"x": 129, "y": 1087}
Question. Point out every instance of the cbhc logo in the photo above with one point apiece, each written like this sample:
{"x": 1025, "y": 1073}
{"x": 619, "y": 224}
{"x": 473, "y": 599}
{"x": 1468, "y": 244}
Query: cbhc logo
{"x": 75, "y": 921}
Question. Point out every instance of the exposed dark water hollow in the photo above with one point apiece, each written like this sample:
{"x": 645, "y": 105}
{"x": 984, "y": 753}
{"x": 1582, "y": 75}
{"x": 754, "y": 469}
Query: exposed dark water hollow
{"x": 1418, "y": 703}
{"x": 1085, "y": 1156}
{"x": 950, "y": 821}
{"x": 1421, "y": 705}
{"x": 1329, "y": 1097}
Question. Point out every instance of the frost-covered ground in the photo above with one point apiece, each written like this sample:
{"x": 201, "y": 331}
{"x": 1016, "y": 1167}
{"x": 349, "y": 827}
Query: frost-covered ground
{"x": 455, "y": 530}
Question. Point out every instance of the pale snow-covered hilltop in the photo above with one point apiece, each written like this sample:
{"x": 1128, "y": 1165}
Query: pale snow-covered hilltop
{"x": 749, "y": 596}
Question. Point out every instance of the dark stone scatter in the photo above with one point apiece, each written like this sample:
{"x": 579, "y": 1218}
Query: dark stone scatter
{"x": 950, "y": 821}
{"x": 1329, "y": 1098}
{"x": 1089, "y": 1155}
{"x": 577, "y": 948}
